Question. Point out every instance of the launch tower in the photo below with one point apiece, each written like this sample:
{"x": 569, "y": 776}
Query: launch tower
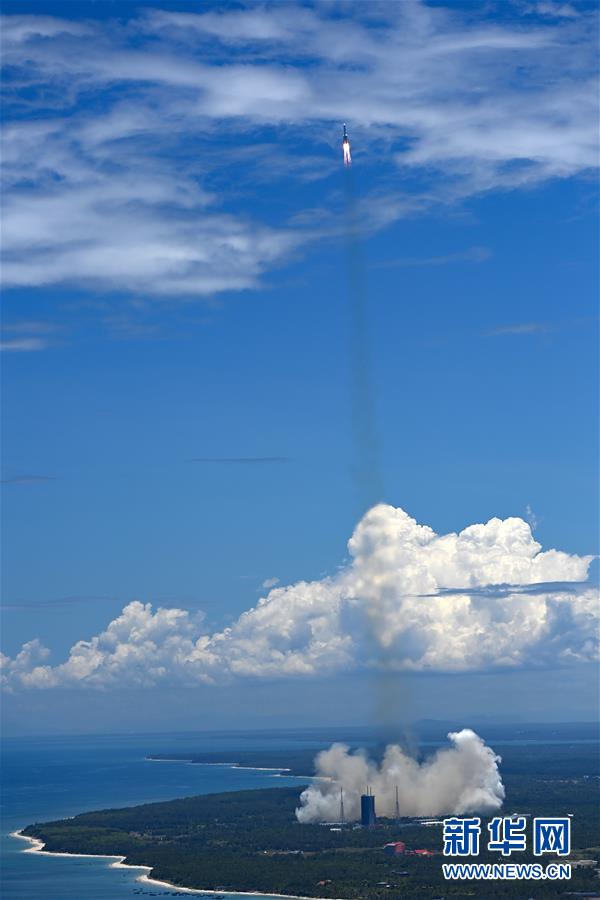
{"x": 367, "y": 810}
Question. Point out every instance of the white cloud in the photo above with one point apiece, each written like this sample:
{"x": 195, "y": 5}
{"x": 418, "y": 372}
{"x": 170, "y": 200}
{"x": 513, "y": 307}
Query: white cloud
{"x": 270, "y": 582}
{"x": 520, "y": 329}
{"x": 27, "y": 667}
{"x": 125, "y": 125}
{"x": 552, "y": 9}
{"x": 473, "y": 255}
{"x": 23, "y": 345}
{"x": 119, "y": 238}
{"x": 409, "y": 600}
{"x": 531, "y": 517}
{"x": 18, "y": 29}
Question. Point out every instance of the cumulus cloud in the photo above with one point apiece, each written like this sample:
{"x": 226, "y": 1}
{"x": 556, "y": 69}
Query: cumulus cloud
{"x": 461, "y": 779}
{"x": 26, "y": 668}
{"x": 408, "y": 600}
{"x": 154, "y": 127}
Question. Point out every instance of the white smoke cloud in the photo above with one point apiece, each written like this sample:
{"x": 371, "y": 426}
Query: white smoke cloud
{"x": 409, "y": 600}
{"x": 463, "y": 778}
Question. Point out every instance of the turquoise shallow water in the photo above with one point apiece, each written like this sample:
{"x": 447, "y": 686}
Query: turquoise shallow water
{"x": 58, "y": 777}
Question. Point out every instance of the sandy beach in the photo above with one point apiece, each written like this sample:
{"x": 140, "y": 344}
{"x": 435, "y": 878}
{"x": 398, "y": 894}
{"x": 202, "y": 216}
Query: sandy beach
{"x": 118, "y": 862}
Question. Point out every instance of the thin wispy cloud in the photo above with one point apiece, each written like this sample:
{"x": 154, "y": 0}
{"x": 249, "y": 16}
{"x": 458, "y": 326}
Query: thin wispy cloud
{"x": 57, "y": 602}
{"x": 128, "y": 326}
{"x": 27, "y": 335}
{"x": 28, "y": 479}
{"x": 532, "y": 518}
{"x": 472, "y": 255}
{"x": 550, "y": 8}
{"x": 520, "y": 329}
{"x": 269, "y": 583}
{"x": 241, "y": 460}
{"x": 23, "y": 345}
{"x": 137, "y": 189}
{"x": 29, "y": 326}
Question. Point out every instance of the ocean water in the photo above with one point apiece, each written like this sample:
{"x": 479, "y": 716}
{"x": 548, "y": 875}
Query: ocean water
{"x": 51, "y": 778}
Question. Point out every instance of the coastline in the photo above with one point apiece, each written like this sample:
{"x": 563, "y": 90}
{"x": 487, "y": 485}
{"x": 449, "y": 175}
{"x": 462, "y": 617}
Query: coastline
{"x": 278, "y": 771}
{"x": 227, "y": 765}
{"x": 119, "y": 863}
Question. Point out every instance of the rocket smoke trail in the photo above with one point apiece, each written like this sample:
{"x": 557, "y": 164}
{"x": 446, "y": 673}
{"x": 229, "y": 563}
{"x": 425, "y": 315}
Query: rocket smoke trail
{"x": 368, "y": 474}
{"x": 459, "y": 779}
{"x": 391, "y": 701}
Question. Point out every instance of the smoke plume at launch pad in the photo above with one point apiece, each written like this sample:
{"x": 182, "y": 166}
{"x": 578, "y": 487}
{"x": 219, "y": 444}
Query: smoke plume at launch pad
{"x": 462, "y": 778}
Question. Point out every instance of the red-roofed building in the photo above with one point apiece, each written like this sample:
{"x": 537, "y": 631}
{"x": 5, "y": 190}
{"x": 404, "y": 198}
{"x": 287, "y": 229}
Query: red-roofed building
{"x": 395, "y": 848}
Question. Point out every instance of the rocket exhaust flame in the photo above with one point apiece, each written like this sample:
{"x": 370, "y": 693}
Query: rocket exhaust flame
{"x": 346, "y": 149}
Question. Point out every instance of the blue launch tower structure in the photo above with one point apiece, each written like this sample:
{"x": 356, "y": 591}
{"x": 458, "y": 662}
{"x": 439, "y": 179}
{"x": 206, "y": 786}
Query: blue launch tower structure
{"x": 367, "y": 810}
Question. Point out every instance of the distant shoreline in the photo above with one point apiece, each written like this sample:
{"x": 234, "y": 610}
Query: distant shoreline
{"x": 119, "y": 863}
{"x": 278, "y": 771}
{"x": 228, "y": 765}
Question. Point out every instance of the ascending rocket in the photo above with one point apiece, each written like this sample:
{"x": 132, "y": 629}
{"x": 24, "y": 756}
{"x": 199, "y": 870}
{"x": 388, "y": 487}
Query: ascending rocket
{"x": 346, "y": 148}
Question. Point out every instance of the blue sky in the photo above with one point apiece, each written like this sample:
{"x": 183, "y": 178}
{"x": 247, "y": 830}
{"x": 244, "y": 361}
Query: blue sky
{"x": 176, "y": 236}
